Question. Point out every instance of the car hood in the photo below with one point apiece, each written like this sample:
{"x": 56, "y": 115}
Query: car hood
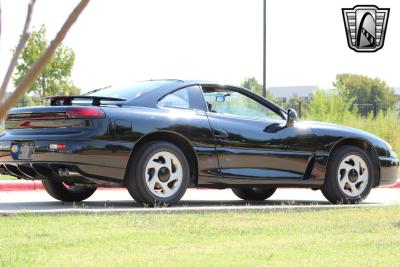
{"x": 332, "y": 133}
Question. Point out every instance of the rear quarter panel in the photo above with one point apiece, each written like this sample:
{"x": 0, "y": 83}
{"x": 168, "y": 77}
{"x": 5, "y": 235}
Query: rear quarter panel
{"x": 131, "y": 124}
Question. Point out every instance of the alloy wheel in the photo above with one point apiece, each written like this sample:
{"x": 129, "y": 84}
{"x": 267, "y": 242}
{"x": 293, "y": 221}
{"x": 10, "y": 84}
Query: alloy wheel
{"x": 163, "y": 174}
{"x": 352, "y": 175}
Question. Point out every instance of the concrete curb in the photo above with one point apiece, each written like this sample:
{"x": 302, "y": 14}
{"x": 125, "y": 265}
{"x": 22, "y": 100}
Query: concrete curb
{"x": 10, "y": 185}
{"x": 191, "y": 210}
{"x": 397, "y": 185}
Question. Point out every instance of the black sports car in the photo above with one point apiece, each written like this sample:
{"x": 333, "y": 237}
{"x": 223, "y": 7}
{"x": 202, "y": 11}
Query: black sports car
{"x": 159, "y": 137}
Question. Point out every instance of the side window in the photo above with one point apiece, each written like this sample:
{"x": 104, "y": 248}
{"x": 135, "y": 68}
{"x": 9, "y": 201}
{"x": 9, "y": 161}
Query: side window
{"x": 177, "y": 99}
{"x": 228, "y": 102}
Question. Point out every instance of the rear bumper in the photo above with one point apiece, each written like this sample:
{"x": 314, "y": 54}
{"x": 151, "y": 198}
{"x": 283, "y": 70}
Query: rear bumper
{"x": 389, "y": 168}
{"x": 89, "y": 162}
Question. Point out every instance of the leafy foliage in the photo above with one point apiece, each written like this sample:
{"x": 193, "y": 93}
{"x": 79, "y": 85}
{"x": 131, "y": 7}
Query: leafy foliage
{"x": 294, "y": 100}
{"x": 329, "y": 106}
{"x": 252, "y": 84}
{"x": 75, "y": 91}
{"x": 55, "y": 78}
{"x": 365, "y": 89}
{"x": 337, "y": 105}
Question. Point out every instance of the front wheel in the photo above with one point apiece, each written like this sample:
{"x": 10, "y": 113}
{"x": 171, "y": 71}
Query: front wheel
{"x": 254, "y": 193}
{"x": 349, "y": 176}
{"x": 67, "y": 193}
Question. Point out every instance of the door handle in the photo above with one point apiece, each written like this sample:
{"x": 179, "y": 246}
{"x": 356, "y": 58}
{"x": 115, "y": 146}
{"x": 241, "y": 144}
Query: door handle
{"x": 221, "y": 133}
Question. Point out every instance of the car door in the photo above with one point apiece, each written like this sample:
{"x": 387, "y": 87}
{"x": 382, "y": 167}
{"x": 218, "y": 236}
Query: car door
{"x": 185, "y": 114}
{"x": 254, "y": 144}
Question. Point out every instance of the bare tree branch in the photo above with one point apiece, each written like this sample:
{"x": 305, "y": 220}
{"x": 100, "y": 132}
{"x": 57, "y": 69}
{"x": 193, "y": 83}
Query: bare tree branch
{"x": 39, "y": 65}
{"x": 22, "y": 41}
{"x": 0, "y": 23}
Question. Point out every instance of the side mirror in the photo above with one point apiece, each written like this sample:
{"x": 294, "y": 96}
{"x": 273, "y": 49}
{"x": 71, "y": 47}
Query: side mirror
{"x": 292, "y": 117}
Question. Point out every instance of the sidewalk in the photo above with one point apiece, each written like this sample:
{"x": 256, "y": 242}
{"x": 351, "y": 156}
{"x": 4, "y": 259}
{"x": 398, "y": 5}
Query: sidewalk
{"x": 23, "y": 185}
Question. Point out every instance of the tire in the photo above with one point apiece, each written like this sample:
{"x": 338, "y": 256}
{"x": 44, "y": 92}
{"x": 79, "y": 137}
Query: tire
{"x": 63, "y": 192}
{"x": 349, "y": 176}
{"x": 158, "y": 174}
{"x": 254, "y": 193}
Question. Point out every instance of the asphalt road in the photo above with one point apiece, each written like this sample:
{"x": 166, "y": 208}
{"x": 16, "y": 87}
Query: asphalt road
{"x": 195, "y": 200}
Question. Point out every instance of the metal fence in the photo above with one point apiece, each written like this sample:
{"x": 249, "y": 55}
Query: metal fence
{"x": 365, "y": 110}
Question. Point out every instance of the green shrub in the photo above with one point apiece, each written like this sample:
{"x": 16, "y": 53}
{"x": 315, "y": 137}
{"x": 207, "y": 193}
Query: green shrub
{"x": 330, "y": 106}
{"x": 385, "y": 125}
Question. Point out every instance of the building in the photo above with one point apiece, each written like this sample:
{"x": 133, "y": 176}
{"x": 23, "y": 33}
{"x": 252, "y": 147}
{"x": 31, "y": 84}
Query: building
{"x": 285, "y": 92}
{"x": 397, "y": 91}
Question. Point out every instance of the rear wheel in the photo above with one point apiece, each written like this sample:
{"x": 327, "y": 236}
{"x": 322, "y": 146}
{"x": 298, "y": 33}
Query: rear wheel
{"x": 349, "y": 176}
{"x": 68, "y": 193}
{"x": 158, "y": 174}
{"x": 254, "y": 193}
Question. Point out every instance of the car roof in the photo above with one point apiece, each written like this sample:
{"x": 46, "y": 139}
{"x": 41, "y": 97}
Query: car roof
{"x": 182, "y": 83}
{"x": 150, "y": 98}
{"x": 209, "y": 83}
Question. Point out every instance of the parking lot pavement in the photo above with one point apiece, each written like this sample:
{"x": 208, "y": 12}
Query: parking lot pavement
{"x": 195, "y": 200}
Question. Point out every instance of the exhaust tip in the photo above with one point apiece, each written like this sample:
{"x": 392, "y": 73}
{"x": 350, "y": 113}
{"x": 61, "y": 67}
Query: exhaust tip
{"x": 66, "y": 172}
{"x": 63, "y": 172}
{"x": 3, "y": 171}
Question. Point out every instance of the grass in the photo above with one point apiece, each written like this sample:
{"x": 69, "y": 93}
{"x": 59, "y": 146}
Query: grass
{"x": 7, "y": 177}
{"x": 345, "y": 237}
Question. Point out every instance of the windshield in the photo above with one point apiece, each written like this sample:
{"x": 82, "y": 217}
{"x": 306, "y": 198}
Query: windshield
{"x": 129, "y": 92}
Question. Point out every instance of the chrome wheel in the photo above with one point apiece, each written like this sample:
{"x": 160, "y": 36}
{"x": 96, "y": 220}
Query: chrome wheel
{"x": 163, "y": 174}
{"x": 352, "y": 175}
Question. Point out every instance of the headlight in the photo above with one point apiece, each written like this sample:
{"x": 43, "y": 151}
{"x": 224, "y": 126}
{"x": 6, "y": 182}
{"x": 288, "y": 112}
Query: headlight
{"x": 393, "y": 154}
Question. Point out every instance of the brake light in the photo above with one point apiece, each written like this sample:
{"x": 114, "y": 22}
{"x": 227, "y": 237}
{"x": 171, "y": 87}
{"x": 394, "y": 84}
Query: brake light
{"x": 57, "y": 147}
{"x": 85, "y": 112}
{"x": 36, "y": 116}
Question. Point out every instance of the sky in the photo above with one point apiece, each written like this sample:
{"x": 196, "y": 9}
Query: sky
{"x": 122, "y": 41}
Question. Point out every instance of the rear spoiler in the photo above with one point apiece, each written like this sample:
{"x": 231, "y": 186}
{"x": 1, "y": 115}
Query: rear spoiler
{"x": 67, "y": 100}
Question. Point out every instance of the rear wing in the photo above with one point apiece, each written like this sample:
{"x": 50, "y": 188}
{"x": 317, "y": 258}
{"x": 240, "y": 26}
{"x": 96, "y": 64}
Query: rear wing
{"x": 67, "y": 100}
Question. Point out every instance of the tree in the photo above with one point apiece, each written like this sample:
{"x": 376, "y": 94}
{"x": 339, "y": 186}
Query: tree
{"x": 75, "y": 91}
{"x": 365, "y": 90}
{"x": 55, "y": 78}
{"x": 252, "y": 84}
{"x": 6, "y": 102}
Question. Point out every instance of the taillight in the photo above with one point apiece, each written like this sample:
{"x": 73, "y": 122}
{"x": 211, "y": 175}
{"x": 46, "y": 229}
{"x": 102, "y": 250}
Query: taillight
{"x": 85, "y": 112}
{"x": 57, "y": 147}
{"x": 37, "y": 116}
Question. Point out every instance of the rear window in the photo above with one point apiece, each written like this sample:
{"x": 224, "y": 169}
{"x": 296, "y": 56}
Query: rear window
{"x": 130, "y": 92}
